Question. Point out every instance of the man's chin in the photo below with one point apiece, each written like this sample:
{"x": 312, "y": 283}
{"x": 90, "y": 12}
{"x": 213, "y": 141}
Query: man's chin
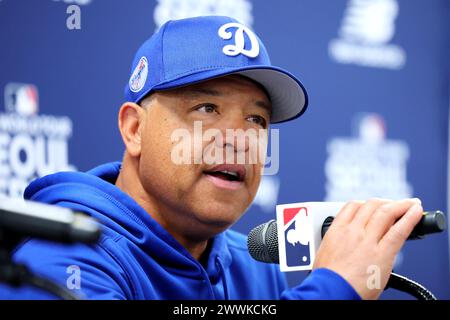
{"x": 217, "y": 221}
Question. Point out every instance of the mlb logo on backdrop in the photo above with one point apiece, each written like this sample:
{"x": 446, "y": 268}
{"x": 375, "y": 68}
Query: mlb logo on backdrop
{"x": 22, "y": 98}
{"x": 295, "y": 235}
{"x": 31, "y": 145}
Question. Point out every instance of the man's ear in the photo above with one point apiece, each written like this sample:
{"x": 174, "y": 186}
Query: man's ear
{"x": 130, "y": 125}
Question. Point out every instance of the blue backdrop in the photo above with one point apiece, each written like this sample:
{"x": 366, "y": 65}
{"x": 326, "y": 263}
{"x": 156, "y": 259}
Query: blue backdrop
{"x": 377, "y": 73}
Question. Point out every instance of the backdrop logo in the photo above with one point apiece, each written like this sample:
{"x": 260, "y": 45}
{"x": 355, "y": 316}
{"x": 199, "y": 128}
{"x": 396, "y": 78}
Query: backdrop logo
{"x": 367, "y": 165}
{"x": 21, "y": 98}
{"x": 366, "y": 30}
{"x": 31, "y": 145}
{"x": 166, "y": 10}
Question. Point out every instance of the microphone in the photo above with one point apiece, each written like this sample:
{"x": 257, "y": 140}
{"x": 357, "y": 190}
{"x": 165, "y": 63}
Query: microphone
{"x": 431, "y": 222}
{"x": 263, "y": 245}
{"x": 23, "y": 218}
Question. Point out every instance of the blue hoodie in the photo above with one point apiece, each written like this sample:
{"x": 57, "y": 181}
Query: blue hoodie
{"x": 137, "y": 259}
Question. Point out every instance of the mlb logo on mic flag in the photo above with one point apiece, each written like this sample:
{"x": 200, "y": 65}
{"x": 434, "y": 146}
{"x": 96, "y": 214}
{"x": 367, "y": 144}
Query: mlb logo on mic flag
{"x": 295, "y": 233}
{"x": 299, "y": 227}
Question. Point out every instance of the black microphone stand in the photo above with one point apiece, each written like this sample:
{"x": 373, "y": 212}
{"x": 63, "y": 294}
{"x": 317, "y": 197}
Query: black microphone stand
{"x": 16, "y": 274}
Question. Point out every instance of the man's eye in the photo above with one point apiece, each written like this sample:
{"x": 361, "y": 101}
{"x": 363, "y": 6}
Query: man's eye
{"x": 207, "y": 108}
{"x": 258, "y": 120}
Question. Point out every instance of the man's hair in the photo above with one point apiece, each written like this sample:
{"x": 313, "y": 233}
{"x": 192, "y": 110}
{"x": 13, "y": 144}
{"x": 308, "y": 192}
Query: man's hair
{"x": 146, "y": 100}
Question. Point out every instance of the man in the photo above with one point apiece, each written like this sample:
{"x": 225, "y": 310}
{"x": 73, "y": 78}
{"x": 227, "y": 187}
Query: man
{"x": 166, "y": 224}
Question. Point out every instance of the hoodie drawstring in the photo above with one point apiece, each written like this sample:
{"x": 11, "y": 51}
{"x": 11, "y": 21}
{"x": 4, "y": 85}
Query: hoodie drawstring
{"x": 224, "y": 279}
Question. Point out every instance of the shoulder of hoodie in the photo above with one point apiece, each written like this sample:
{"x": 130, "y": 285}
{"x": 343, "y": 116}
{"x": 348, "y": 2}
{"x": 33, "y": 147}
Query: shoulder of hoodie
{"x": 236, "y": 240}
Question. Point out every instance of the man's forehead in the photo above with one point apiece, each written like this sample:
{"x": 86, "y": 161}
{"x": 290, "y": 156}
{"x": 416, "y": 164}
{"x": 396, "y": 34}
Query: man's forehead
{"x": 222, "y": 82}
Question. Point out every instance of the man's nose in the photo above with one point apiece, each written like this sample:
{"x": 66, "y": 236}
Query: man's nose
{"x": 234, "y": 135}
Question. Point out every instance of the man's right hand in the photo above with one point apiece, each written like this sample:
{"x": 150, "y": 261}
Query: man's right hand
{"x": 364, "y": 239}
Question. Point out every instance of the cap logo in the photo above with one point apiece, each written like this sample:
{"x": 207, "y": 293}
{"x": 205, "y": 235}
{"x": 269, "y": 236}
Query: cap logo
{"x": 139, "y": 76}
{"x": 239, "y": 44}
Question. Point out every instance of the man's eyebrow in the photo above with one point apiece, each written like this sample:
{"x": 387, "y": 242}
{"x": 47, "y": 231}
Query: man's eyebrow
{"x": 195, "y": 92}
{"x": 264, "y": 105}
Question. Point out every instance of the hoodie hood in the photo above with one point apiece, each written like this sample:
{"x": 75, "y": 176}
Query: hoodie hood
{"x": 121, "y": 216}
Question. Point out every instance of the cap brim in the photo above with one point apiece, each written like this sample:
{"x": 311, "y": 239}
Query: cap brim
{"x": 287, "y": 94}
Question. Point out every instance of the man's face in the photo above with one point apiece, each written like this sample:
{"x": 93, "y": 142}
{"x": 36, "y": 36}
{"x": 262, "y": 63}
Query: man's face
{"x": 197, "y": 197}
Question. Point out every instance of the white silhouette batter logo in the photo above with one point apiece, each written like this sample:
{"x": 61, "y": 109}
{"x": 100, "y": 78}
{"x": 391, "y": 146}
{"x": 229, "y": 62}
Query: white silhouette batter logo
{"x": 301, "y": 234}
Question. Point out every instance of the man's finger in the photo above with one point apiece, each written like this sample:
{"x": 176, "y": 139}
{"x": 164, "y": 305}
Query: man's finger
{"x": 394, "y": 239}
{"x": 385, "y": 216}
{"x": 366, "y": 211}
{"x": 347, "y": 213}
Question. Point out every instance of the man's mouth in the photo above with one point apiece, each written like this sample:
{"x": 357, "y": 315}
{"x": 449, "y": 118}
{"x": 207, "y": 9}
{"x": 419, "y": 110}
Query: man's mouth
{"x": 228, "y": 176}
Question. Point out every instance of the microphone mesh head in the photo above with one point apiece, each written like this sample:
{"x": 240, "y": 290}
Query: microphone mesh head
{"x": 262, "y": 242}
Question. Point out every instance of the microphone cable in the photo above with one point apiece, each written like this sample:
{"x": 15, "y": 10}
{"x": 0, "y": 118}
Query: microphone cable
{"x": 413, "y": 288}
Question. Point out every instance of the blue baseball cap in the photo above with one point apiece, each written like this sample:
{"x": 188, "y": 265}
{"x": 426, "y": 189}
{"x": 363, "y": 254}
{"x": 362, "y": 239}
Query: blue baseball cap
{"x": 192, "y": 50}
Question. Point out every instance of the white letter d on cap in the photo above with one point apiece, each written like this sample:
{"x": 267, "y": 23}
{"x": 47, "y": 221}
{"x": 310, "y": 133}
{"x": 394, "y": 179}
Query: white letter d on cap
{"x": 238, "y": 47}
